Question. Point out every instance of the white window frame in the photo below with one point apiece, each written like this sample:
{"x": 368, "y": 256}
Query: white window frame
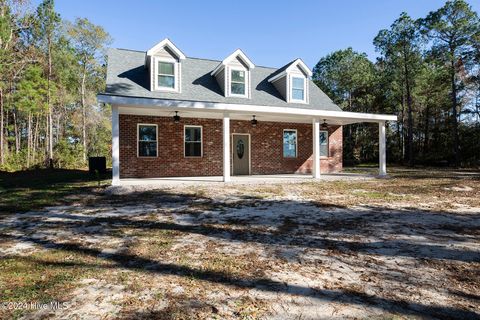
{"x": 304, "y": 100}
{"x": 328, "y": 143}
{"x": 184, "y": 141}
{"x": 176, "y": 67}
{"x": 138, "y": 139}
{"x": 247, "y": 81}
{"x": 296, "y": 144}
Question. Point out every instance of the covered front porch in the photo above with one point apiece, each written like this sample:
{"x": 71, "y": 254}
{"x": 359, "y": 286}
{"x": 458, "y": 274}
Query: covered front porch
{"x": 231, "y": 113}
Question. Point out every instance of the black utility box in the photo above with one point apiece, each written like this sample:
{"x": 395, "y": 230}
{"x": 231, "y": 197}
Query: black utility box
{"x": 97, "y": 164}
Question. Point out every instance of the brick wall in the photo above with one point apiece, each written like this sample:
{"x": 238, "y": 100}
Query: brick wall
{"x": 266, "y": 148}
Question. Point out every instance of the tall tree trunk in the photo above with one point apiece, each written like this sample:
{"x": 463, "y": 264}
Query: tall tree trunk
{"x": 84, "y": 114}
{"x": 50, "y": 122}
{"x": 29, "y": 138}
{"x": 409, "y": 110}
{"x": 427, "y": 128}
{"x": 403, "y": 128}
{"x": 17, "y": 136}
{"x": 35, "y": 140}
{"x": 45, "y": 142}
{"x": 6, "y": 151}
{"x": 399, "y": 140}
{"x": 454, "y": 109}
{"x": 2, "y": 152}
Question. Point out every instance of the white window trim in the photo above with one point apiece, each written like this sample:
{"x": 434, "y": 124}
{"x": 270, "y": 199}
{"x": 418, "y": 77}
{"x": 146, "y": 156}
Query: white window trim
{"x": 138, "y": 139}
{"x": 247, "y": 81}
{"x": 176, "y": 73}
{"x": 290, "y": 88}
{"x": 201, "y": 141}
{"x": 328, "y": 144}
{"x": 296, "y": 144}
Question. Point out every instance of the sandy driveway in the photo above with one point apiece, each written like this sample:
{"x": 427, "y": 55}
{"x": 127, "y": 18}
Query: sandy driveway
{"x": 245, "y": 252}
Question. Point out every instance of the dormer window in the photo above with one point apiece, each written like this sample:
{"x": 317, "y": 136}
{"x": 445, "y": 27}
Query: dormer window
{"x": 298, "y": 89}
{"x": 233, "y": 75}
{"x": 166, "y": 75}
{"x": 164, "y": 62}
{"x": 292, "y": 81}
{"x": 237, "y": 83}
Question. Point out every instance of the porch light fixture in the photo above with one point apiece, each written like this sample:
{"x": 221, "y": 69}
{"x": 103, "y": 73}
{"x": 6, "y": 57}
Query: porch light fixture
{"x": 254, "y": 122}
{"x": 324, "y": 125}
{"x": 176, "y": 117}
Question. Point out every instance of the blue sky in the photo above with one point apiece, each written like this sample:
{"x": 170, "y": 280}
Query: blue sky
{"x": 271, "y": 33}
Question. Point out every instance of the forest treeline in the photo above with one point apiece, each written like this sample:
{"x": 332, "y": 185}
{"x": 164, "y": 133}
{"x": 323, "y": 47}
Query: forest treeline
{"x": 427, "y": 73}
{"x": 50, "y": 72}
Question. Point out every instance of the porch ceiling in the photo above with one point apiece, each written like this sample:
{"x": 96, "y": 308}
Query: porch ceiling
{"x": 247, "y": 116}
{"x": 192, "y": 109}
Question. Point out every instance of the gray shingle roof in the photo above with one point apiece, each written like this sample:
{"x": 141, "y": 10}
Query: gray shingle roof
{"x": 127, "y": 76}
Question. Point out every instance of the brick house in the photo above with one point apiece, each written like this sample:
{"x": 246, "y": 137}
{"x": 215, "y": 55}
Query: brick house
{"x": 177, "y": 116}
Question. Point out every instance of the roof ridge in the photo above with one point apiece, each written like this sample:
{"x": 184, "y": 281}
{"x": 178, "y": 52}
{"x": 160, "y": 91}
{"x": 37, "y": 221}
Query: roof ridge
{"x": 196, "y": 58}
{"x": 133, "y": 50}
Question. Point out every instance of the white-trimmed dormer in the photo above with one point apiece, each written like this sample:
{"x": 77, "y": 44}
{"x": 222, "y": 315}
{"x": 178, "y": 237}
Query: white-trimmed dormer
{"x": 164, "y": 61}
{"x": 292, "y": 81}
{"x": 233, "y": 75}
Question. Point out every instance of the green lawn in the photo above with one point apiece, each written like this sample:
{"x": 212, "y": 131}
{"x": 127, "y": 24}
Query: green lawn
{"x": 33, "y": 189}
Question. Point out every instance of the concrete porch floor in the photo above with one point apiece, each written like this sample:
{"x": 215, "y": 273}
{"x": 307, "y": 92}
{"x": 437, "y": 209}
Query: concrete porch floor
{"x": 253, "y": 179}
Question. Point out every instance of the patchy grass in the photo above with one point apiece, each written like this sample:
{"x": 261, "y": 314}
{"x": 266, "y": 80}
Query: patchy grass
{"x": 396, "y": 248}
{"x": 42, "y": 277}
{"x": 33, "y": 189}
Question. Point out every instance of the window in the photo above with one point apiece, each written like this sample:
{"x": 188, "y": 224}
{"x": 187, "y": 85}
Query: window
{"x": 166, "y": 75}
{"x": 193, "y": 141}
{"x": 237, "y": 82}
{"x": 323, "y": 143}
{"x": 298, "y": 88}
{"x": 147, "y": 140}
{"x": 289, "y": 143}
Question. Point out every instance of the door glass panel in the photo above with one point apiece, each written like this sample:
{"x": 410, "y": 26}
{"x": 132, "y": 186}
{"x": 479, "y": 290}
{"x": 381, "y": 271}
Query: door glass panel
{"x": 240, "y": 149}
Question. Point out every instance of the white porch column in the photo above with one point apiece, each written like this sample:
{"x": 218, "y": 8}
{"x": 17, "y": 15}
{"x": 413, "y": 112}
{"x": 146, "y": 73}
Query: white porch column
{"x": 115, "y": 147}
{"x": 316, "y": 149}
{"x": 382, "y": 157}
{"x": 226, "y": 147}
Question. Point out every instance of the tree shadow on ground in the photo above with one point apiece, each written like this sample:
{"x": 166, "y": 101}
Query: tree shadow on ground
{"x": 136, "y": 263}
{"x": 22, "y": 191}
{"x": 249, "y": 234}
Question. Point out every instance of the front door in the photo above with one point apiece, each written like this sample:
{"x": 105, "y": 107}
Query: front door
{"x": 241, "y": 154}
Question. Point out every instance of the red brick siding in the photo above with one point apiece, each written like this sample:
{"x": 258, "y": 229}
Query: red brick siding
{"x": 266, "y": 148}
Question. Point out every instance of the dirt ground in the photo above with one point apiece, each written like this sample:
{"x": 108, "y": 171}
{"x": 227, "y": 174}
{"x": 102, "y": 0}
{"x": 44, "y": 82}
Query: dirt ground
{"x": 406, "y": 247}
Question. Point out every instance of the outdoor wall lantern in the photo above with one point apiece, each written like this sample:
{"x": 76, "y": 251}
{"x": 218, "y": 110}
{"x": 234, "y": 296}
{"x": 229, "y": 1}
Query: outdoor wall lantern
{"x": 324, "y": 125}
{"x": 254, "y": 122}
{"x": 176, "y": 117}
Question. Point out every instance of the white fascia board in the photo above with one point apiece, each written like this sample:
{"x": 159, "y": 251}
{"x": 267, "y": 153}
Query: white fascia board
{"x": 217, "y": 69}
{"x": 278, "y": 76}
{"x": 297, "y": 62}
{"x": 166, "y": 43}
{"x": 242, "y": 108}
{"x": 238, "y": 53}
{"x": 302, "y": 65}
